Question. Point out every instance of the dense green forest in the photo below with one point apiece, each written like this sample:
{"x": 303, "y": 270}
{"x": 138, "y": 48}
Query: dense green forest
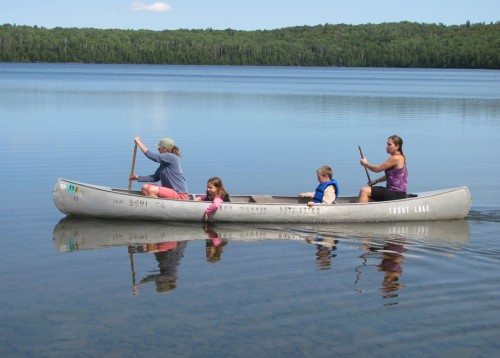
{"x": 403, "y": 44}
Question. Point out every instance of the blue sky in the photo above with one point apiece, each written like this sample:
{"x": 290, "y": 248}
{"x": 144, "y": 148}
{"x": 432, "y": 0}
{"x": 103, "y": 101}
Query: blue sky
{"x": 239, "y": 14}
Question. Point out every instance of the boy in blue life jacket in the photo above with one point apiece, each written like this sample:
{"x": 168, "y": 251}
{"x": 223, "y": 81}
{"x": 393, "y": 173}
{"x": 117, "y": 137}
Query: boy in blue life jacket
{"x": 327, "y": 190}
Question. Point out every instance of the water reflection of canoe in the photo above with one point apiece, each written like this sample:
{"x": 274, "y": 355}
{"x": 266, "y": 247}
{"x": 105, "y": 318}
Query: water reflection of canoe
{"x": 79, "y": 199}
{"x": 440, "y": 232}
{"x": 72, "y": 234}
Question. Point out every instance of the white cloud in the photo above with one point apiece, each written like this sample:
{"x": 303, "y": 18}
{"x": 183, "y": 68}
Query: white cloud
{"x": 154, "y": 7}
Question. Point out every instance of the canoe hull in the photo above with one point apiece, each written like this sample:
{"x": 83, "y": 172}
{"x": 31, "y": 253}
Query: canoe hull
{"x": 86, "y": 200}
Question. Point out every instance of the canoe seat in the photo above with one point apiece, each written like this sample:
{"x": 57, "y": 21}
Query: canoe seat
{"x": 262, "y": 199}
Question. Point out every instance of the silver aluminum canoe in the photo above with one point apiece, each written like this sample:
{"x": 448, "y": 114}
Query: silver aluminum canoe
{"x": 79, "y": 199}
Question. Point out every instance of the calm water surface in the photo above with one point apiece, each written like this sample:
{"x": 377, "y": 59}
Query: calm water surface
{"x": 96, "y": 288}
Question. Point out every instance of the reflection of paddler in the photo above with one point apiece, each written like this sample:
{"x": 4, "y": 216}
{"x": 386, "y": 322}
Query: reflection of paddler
{"x": 168, "y": 255}
{"x": 391, "y": 265}
{"x": 161, "y": 247}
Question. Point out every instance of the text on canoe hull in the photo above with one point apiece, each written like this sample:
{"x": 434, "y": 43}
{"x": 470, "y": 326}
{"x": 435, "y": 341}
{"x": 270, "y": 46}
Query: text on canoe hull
{"x": 262, "y": 210}
{"x": 398, "y": 210}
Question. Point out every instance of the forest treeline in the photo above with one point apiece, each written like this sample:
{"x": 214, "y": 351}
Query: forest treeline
{"x": 403, "y": 44}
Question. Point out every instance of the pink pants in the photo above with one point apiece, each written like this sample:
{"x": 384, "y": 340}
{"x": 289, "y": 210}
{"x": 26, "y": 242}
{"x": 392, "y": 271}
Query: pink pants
{"x": 171, "y": 194}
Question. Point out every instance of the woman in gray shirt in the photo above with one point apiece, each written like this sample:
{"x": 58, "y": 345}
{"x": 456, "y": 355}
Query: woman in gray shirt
{"x": 169, "y": 173}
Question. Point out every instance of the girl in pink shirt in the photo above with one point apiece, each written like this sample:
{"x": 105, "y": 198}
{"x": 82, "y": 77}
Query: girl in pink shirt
{"x": 215, "y": 193}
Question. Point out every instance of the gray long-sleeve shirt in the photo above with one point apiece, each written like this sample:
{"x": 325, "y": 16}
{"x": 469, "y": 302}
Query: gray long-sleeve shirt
{"x": 169, "y": 172}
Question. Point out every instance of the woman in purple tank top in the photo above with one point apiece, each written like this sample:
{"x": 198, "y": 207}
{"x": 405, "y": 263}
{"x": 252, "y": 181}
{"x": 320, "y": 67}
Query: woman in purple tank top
{"x": 396, "y": 175}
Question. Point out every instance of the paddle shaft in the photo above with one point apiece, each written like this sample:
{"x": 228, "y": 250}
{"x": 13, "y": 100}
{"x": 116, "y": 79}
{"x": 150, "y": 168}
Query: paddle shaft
{"x": 366, "y": 170}
{"x": 133, "y": 167}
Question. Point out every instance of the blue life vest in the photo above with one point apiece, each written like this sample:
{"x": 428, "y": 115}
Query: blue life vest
{"x": 320, "y": 190}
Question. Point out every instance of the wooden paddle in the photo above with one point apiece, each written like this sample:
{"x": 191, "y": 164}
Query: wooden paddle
{"x": 366, "y": 170}
{"x": 133, "y": 167}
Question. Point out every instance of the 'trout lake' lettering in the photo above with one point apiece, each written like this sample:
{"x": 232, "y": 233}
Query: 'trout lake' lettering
{"x": 399, "y": 210}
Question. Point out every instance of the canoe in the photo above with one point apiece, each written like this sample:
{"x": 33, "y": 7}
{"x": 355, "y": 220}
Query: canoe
{"x": 79, "y": 199}
{"x": 75, "y": 233}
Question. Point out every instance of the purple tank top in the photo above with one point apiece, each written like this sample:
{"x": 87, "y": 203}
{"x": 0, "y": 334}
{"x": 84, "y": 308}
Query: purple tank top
{"x": 397, "y": 179}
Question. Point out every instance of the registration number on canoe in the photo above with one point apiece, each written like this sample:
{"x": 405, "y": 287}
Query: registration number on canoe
{"x": 138, "y": 203}
{"x": 398, "y": 210}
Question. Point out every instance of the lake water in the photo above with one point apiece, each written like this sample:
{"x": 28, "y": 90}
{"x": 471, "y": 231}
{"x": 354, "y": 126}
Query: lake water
{"x": 95, "y": 288}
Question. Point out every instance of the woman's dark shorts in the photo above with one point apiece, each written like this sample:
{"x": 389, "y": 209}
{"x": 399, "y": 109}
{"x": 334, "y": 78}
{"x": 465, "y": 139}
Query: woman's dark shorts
{"x": 379, "y": 193}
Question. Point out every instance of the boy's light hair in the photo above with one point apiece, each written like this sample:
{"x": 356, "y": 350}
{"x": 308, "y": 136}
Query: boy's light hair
{"x": 325, "y": 170}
